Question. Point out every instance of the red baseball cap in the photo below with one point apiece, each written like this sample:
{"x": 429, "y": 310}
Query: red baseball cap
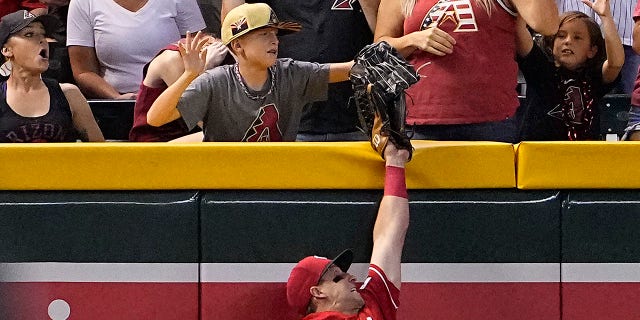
{"x": 307, "y": 273}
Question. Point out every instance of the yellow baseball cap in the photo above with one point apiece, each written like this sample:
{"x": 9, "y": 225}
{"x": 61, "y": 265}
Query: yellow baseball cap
{"x": 250, "y": 16}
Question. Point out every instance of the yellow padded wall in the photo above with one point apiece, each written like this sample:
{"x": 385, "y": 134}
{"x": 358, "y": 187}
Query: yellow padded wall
{"x": 578, "y": 165}
{"x": 292, "y": 165}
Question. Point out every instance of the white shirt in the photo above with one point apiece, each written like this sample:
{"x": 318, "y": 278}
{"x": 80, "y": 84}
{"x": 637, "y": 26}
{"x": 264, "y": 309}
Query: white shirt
{"x": 125, "y": 41}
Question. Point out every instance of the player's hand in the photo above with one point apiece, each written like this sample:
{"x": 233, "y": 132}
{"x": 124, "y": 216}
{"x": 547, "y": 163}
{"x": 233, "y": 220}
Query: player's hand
{"x": 194, "y": 53}
{"x": 216, "y": 52}
{"x": 434, "y": 40}
{"x": 395, "y": 157}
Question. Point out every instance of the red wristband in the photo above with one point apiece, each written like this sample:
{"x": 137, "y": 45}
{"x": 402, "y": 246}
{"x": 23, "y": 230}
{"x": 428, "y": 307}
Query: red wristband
{"x": 395, "y": 183}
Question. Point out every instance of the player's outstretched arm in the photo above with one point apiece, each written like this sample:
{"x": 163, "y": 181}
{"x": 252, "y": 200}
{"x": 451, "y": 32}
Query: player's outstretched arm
{"x": 392, "y": 222}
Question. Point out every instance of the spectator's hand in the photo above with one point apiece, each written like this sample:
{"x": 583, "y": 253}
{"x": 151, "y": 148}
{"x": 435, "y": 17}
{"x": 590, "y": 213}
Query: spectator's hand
{"x": 194, "y": 53}
{"x": 434, "y": 40}
{"x": 600, "y": 7}
{"x": 127, "y": 96}
{"x": 216, "y": 52}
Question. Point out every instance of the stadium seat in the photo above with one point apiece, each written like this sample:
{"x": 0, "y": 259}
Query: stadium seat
{"x": 59, "y": 64}
{"x": 114, "y": 117}
{"x": 614, "y": 110}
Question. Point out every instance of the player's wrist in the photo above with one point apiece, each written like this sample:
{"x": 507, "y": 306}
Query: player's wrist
{"x": 395, "y": 161}
{"x": 395, "y": 182}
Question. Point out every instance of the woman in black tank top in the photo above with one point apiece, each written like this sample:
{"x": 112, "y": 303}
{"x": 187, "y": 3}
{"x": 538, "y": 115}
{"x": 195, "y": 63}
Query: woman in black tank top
{"x": 33, "y": 109}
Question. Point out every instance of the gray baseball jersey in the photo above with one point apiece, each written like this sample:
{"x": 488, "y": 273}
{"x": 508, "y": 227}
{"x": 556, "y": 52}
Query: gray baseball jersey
{"x": 233, "y": 112}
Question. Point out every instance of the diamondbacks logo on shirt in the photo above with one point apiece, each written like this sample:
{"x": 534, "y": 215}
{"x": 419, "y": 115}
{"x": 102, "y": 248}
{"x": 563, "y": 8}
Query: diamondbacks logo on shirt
{"x": 342, "y": 5}
{"x": 456, "y": 15}
{"x": 576, "y": 109}
{"x": 571, "y": 107}
{"x": 265, "y": 127}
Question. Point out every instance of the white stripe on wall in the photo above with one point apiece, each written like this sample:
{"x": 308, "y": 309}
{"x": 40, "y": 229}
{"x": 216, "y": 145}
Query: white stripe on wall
{"x": 481, "y": 272}
{"x": 98, "y": 272}
{"x": 245, "y": 272}
{"x": 601, "y": 272}
{"x": 279, "y": 272}
{"x": 411, "y": 272}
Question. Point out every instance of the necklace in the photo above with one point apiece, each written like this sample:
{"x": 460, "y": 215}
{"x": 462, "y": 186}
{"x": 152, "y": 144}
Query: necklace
{"x": 272, "y": 74}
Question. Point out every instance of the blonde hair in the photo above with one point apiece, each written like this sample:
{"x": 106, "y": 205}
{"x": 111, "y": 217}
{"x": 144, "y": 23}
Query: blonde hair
{"x": 407, "y": 6}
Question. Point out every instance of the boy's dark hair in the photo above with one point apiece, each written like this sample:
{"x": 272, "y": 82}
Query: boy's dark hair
{"x": 595, "y": 35}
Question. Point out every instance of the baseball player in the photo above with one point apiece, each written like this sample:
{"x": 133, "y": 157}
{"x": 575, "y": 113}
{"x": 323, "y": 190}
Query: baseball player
{"x": 260, "y": 98}
{"x": 319, "y": 288}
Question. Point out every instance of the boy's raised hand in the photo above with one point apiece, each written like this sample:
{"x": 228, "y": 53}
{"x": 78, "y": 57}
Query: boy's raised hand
{"x": 194, "y": 52}
{"x": 600, "y": 7}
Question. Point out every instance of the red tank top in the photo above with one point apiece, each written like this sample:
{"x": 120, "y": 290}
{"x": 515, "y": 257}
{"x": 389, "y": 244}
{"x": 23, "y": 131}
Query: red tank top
{"x": 141, "y": 130}
{"x": 477, "y": 82}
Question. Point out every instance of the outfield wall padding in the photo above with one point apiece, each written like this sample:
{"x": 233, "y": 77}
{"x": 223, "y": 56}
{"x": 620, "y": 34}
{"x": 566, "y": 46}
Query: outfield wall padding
{"x": 246, "y": 166}
{"x": 578, "y": 165}
{"x": 210, "y": 231}
{"x": 601, "y": 255}
{"x": 106, "y": 255}
{"x": 503, "y": 232}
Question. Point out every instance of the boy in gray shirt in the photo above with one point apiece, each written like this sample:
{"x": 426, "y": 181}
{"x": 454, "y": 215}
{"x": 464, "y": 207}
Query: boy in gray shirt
{"x": 260, "y": 98}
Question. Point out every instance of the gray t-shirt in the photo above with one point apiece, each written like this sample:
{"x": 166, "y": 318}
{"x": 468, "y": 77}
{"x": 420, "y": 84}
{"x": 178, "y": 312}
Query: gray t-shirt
{"x": 232, "y": 112}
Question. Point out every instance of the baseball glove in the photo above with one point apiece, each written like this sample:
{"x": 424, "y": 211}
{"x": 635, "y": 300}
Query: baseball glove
{"x": 379, "y": 77}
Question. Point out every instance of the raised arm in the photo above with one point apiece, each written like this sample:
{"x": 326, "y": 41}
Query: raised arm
{"x": 390, "y": 28}
{"x": 164, "y": 69}
{"x": 524, "y": 40}
{"x": 392, "y": 222}
{"x": 83, "y": 120}
{"x": 540, "y": 15}
{"x": 615, "y": 51}
{"x": 167, "y": 67}
{"x": 85, "y": 67}
{"x": 164, "y": 108}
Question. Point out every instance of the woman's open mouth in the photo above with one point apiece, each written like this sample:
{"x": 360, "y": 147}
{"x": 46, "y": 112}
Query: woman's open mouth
{"x": 44, "y": 54}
